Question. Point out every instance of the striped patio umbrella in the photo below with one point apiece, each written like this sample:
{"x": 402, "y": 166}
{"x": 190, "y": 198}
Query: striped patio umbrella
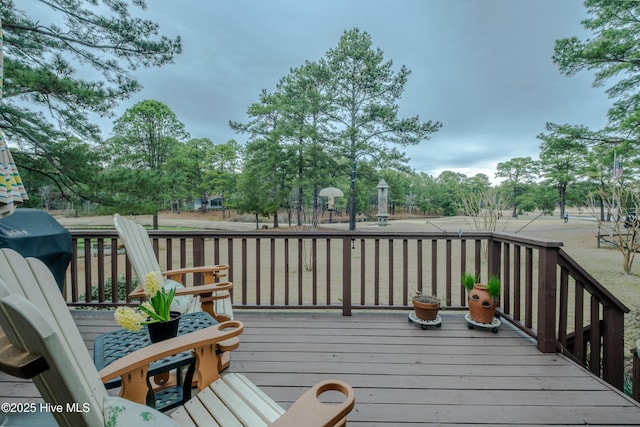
{"x": 12, "y": 190}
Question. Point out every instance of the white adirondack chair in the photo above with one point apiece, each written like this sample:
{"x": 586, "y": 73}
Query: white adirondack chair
{"x": 40, "y": 340}
{"x": 143, "y": 259}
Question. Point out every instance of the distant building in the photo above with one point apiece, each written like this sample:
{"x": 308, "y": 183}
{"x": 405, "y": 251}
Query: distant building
{"x": 212, "y": 203}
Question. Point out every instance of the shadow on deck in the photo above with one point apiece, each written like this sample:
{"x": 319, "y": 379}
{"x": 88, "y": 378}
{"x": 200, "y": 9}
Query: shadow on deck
{"x": 402, "y": 374}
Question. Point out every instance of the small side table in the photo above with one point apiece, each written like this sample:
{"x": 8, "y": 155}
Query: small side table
{"x": 114, "y": 345}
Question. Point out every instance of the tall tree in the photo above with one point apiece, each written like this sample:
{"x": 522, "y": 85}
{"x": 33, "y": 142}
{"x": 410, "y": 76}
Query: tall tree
{"x": 266, "y": 166}
{"x": 260, "y": 186}
{"x": 518, "y": 173}
{"x": 190, "y": 164}
{"x": 42, "y": 73}
{"x": 364, "y": 92}
{"x": 224, "y": 166}
{"x": 612, "y": 53}
{"x": 448, "y": 191}
{"x": 145, "y": 137}
{"x": 295, "y": 116}
{"x": 305, "y": 130}
{"x": 562, "y": 160}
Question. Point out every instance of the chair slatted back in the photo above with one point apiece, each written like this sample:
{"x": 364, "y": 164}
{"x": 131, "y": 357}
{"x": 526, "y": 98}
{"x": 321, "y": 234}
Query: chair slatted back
{"x": 72, "y": 377}
{"x": 138, "y": 247}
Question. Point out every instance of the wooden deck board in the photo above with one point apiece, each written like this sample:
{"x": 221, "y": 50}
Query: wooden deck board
{"x": 404, "y": 375}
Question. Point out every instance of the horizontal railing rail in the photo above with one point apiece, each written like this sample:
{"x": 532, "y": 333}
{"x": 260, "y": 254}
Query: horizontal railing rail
{"x": 544, "y": 292}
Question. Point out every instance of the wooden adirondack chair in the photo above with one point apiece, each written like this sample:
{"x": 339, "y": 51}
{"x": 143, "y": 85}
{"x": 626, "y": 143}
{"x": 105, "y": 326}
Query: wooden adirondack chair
{"x": 40, "y": 340}
{"x": 143, "y": 259}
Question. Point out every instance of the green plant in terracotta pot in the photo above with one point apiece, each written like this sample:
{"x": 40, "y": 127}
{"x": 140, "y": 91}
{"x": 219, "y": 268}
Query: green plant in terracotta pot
{"x": 469, "y": 280}
{"x": 493, "y": 286}
{"x": 482, "y": 298}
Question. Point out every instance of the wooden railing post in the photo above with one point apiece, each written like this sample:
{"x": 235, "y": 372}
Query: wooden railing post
{"x": 346, "y": 276}
{"x": 547, "y": 286}
{"x": 613, "y": 347}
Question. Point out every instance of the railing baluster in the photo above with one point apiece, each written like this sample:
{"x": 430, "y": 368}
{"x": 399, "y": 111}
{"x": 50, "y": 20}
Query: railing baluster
{"x": 434, "y": 267}
{"x": 314, "y": 271}
{"x": 286, "y": 272}
{"x": 463, "y": 270}
{"x": 300, "y": 268}
{"x": 258, "y": 265}
{"x": 390, "y": 267}
{"x": 346, "y": 276}
{"x": 376, "y": 272}
{"x": 564, "y": 309}
{"x": 244, "y": 285}
{"x": 100, "y": 259}
{"x": 198, "y": 257}
{"x": 87, "y": 270}
{"x": 363, "y": 274}
{"x": 169, "y": 253}
{"x": 517, "y": 282}
{"x": 506, "y": 277}
{"x": 595, "y": 346}
{"x": 419, "y": 266}
{"x": 114, "y": 271}
{"x": 478, "y": 258}
{"x": 528, "y": 288}
{"x": 447, "y": 273}
{"x": 328, "y": 272}
{"x": 579, "y": 345}
{"x": 272, "y": 271}
{"x": 74, "y": 271}
{"x": 635, "y": 374}
{"x": 216, "y": 251}
{"x": 183, "y": 253}
{"x": 405, "y": 271}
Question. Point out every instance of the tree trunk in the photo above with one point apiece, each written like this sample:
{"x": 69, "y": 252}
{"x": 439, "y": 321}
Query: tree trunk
{"x": 627, "y": 261}
{"x": 299, "y": 206}
{"x": 314, "y": 218}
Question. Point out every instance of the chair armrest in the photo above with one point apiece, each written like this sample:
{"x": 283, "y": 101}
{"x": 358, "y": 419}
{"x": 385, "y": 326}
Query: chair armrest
{"x": 133, "y": 367}
{"x": 19, "y": 363}
{"x": 191, "y": 290}
{"x": 205, "y": 289}
{"x": 208, "y": 270}
{"x": 309, "y": 408}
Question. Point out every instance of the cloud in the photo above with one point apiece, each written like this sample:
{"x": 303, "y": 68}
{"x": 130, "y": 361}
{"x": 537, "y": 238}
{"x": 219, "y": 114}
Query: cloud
{"x": 482, "y": 68}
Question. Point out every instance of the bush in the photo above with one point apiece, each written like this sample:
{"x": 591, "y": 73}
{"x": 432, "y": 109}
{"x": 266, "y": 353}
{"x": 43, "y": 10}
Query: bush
{"x": 121, "y": 285}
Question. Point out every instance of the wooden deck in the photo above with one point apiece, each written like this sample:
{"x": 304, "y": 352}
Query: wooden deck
{"x": 403, "y": 375}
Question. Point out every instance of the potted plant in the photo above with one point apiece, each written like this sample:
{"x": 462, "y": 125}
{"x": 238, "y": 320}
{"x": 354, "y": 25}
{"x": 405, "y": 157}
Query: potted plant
{"x": 426, "y": 306}
{"x": 155, "y": 312}
{"x": 482, "y": 297}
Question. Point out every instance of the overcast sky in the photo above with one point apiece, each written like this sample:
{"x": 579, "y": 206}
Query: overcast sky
{"x": 481, "y": 67}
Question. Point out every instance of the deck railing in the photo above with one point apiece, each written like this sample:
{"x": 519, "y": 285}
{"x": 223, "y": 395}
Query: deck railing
{"x": 635, "y": 375}
{"x": 544, "y": 292}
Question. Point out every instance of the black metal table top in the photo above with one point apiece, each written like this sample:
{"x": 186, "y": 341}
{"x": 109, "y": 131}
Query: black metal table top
{"x": 114, "y": 345}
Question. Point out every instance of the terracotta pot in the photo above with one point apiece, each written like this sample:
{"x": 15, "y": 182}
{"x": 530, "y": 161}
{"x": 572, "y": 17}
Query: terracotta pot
{"x": 160, "y": 331}
{"x": 482, "y": 307}
{"x": 426, "y": 307}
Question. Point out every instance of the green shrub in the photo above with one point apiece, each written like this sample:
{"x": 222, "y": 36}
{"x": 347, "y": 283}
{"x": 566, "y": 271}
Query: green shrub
{"x": 121, "y": 286}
